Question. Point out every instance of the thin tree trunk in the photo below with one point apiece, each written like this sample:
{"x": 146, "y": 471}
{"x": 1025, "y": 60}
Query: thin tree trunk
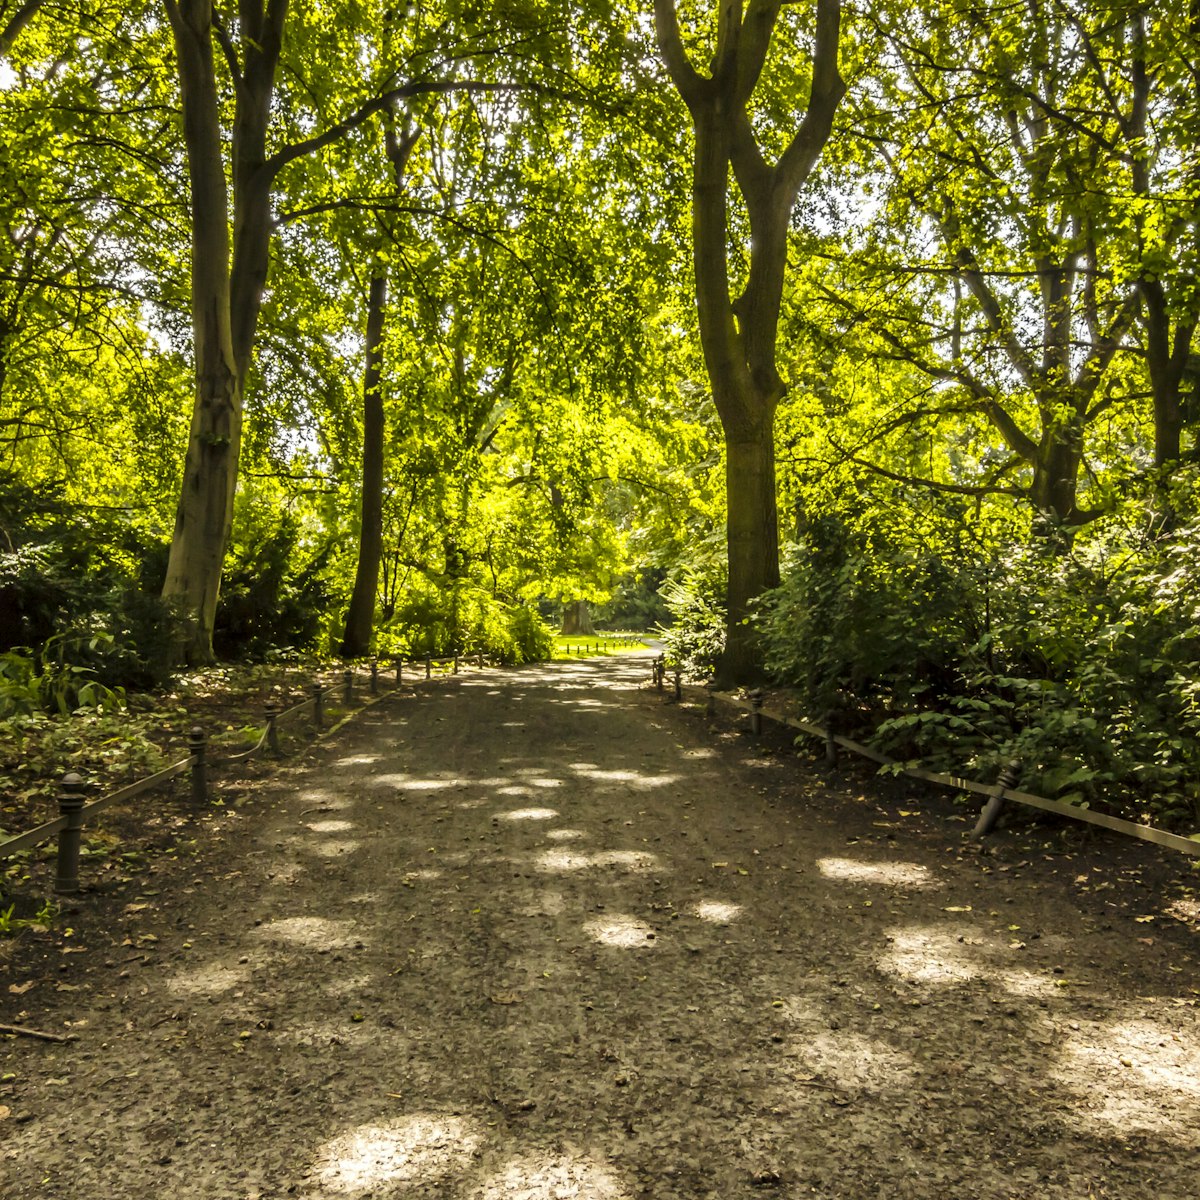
{"x": 360, "y": 618}
{"x": 205, "y": 509}
{"x": 577, "y": 619}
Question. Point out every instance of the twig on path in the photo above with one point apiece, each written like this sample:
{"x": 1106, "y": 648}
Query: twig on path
{"x": 24, "y": 1031}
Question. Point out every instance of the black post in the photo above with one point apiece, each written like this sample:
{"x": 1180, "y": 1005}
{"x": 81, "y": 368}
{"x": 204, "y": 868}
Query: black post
{"x": 831, "y": 746}
{"x": 456, "y": 664}
{"x": 678, "y": 684}
{"x": 197, "y": 743}
{"x": 374, "y": 677}
{"x": 348, "y": 686}
{"x": 428, "y": 666}
{"x": 660, "y": 667}
{"x": 399, "y": 672}
{"x": 70, "y": 805}
{"x": 318, "y": 705}
{"x": 272, "y": 728}
{"x": 756, "y": 712}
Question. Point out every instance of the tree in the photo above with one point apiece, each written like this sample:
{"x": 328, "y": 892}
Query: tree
{"x": 739, "y": 325}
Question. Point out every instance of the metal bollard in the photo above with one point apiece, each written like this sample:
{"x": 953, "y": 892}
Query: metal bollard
{"x": 197, "y": 744}
{"x": 831, "y": 746}
{"x": 374, "y": 678}
{"x": 756, "y": 701}
{"x": 70, "y": 806}
{"x": 347, "y": 686}
{"x": 318, "y": 695}
{"x": 272, "y": 727}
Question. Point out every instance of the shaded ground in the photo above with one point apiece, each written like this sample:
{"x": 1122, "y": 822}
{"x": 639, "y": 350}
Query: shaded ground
{"x": 534, "y": 934}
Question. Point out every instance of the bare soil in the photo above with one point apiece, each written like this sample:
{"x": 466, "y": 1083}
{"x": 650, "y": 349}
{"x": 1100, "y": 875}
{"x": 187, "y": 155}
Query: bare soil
{"x": 538, "y": 934}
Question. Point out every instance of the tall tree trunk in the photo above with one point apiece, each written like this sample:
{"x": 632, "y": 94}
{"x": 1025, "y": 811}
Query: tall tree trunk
{"x": 739, "y": 334}
{"x": 360, "y": 618}
{"x": 225, "y": 296}
{"x": 205, "y": 509}
{"x": 577, "y": 619}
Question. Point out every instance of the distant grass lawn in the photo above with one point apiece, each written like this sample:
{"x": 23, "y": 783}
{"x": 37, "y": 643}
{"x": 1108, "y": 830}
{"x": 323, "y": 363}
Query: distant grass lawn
{"x": 575, "y": 645}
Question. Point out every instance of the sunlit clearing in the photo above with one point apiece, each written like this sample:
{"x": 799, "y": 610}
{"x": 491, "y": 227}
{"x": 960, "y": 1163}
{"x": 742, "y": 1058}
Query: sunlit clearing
{"x": 1026, "y": 983}
{"x": 853, "y": 1060}
{"x": 853, "y": 870}
{"x": 420, "y": 1148}
{"x": 700, "y": 752}
{"x": 515, "y": 789}
{"x": 324, "y": 798}
{"x": 333, "y": 849}
{"x": 618, "y": 929}
{"x": 209, "y": 981}
{"x": 1134, "y": 1074}
{"x": 565, "y": 860}
{"x": 716, "y": 912}
{"x": 547, "y": 1177}
{"x": 352, "y": 986}
{"x": 357, "y": 760}
{"x": 317, "y": 932}
{"x": 927, "y": 956}
{"x": 330, "y": 826}
{"x": 402, "y": 783}
{"x": 527, "y": 814}
{"x": 565, "y": 835}
{"x": 633, "y": 778}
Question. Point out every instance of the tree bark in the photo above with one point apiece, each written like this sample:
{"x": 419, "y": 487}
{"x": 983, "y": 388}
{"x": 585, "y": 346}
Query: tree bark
{"x": 577, "y": 620}
{"x": 226, "y": 295}
{"x": 360, "y": 618}
{"x": 739, "y": 334}
{"x": 204, "y": 513}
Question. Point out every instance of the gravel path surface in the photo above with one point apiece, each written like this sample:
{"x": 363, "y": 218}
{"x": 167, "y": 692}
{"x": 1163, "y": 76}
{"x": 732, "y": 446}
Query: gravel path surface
{"x": 536, "y": 934}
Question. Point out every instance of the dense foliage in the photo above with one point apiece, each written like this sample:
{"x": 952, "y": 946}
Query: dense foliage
{"x": 407, "y": 303}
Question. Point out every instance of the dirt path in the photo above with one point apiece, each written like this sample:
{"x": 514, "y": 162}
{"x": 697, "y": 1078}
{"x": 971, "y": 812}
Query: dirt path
{"x": 536, "y": 935}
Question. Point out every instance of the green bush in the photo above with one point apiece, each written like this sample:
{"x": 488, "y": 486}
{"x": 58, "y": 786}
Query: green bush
{"x": 964, "y": 651}
{"x": 696, "y": 639}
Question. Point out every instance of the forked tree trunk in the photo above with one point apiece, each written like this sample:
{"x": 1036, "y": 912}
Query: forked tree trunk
{"x": 739, "y": 334}
{"x": 226, "y": 294}
{"x": 205, "y": 507}
{"x": 360, "y": 618}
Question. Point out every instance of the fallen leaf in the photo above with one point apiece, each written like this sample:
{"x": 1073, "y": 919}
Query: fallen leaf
{"x": 1144, "y": 941}
{"x": 19, "y": 989}
{"x": 958, "y": 908}
{"x": 505, "y": 998}
{"x": 1143, "y": 920}
{"x": 5, "y": 1112}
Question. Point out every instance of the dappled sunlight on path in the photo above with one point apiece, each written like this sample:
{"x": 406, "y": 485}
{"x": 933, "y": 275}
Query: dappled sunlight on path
{"x": 533, "y": 935}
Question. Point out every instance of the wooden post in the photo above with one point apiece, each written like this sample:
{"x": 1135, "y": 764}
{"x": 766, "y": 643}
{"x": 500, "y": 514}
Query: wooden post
{"x": 197, "y": 744}
{"x": 70, "y": 805}
{"x": 272, "y": 727}
{"x": 374, "y": 677}
{"x": 348, "y": 686}
{"x": 992, "y": 809}
{"x": 399, "y": 672}
{"x": 428, "y": 666}
{"x": 678, "y": 684}
{"x": 660, "y": 668}
{"x": 756, "y": 712}
{"x": 456, "y": 664}
{"x": 318, "y": 694}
